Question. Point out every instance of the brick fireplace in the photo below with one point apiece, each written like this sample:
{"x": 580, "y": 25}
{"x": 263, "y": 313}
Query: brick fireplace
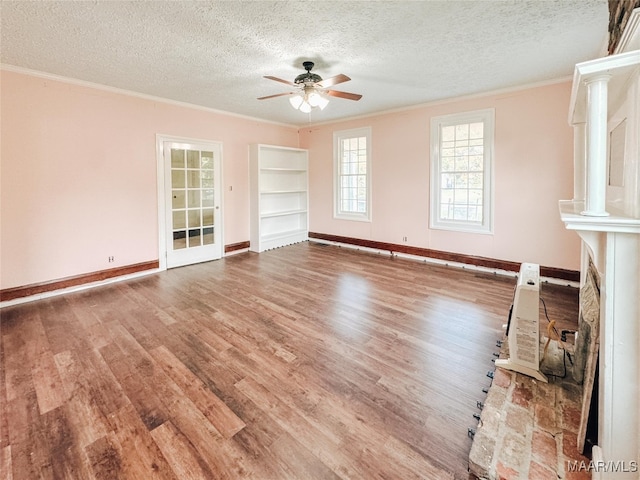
{"x": 605, "y": 213}
{"x": 587, "y": 426}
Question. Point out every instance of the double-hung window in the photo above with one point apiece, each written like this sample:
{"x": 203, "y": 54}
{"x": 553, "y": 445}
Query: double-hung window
{"x": 352, "y": 172}
{"x": 461, "y": 172}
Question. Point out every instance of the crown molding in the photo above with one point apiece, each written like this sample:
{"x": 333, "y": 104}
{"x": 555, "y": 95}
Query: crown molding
{"x": 120, "y": 91}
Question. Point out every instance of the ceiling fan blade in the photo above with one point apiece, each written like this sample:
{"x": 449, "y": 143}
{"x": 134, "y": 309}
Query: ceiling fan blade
{"x": 280, "y": 80}
{"x": 347, "y": 95}
{"x": 276, "y": 95}
{"x": 329, "y": 82}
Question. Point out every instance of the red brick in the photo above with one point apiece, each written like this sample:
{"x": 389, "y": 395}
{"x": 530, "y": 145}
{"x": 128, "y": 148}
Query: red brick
{"x": 501, "y": 378}
{"x": 570, "y": 447}
{"x": 571, "y": 418}
{"x": 582, "y": 475}
{"x": 515, "y": 451}
{"x": 522, "y": 395}
{"x": 543, "y": 448}
{"x": 545, "y": 394}
{"x": 506, "y": 473}
{"x": 518, "y": 419}
{"x": 539, "y": 472}
{"x": 545, "y": 418}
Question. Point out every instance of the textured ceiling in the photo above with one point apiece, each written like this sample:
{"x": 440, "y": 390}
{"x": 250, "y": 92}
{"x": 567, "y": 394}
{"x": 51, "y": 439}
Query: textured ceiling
{"x": 214, "y": 54}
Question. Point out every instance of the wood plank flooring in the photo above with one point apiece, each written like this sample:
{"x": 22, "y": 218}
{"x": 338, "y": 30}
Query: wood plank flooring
{"x": 305, "y": 362}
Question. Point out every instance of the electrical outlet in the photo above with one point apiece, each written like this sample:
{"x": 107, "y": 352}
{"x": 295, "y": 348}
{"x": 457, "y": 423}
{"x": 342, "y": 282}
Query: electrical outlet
{"x": 404, "y": 239}
{"x": 111, "y": 259}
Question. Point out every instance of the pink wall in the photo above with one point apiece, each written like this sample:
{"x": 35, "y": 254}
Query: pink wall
{"x": 78, "y": 175}
{"x": 533, "y": 169}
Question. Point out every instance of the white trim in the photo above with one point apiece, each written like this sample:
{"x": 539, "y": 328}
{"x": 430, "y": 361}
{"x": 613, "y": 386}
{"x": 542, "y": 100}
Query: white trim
{"x": 160, "y": 175}
{"x": 337, "y": 137}
{"x": 235, "y": 252}
{"x": 487, "y": 116}
{"x": 129, "y": 93}
{"x": 162, "y": 222}
{"x": 77, "y": 288}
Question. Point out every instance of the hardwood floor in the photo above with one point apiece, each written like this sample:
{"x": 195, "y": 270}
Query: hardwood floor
{"x": 305, "y": 362}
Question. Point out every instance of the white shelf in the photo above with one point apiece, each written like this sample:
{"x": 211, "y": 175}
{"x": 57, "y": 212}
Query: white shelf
{"x": 279, "y": 197}
{"x": 274, "y": 192}
{"x": 283, "y": 235}
{"x": 282, "y": 169}
{"x": 282, "y": 213}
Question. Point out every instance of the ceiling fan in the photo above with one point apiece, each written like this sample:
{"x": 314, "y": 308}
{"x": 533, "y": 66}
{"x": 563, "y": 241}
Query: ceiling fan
{"x": 311, "y": 90}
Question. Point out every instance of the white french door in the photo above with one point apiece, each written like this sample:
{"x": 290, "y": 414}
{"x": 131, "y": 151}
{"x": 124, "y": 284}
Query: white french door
{"x": 192, "y": 196}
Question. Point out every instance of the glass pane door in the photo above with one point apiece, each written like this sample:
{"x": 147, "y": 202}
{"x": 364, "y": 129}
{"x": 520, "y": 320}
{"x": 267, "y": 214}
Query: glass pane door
{"x": 193, "y": 225}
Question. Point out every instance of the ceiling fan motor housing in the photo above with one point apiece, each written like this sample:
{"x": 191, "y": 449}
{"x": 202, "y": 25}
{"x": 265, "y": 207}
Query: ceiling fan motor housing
{"x": 308, "y": 77}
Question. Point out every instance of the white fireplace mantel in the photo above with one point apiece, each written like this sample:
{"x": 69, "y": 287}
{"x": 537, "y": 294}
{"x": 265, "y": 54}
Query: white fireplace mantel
{"x": 570, "y": 213}
{"x": 619, "y": 67}
{"x": 605, "y": 213}
{"x": 592, "y": 230}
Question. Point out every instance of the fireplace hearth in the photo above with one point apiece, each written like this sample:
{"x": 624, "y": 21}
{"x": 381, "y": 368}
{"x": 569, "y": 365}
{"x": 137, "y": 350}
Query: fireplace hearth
{"x": 528, "y": 429}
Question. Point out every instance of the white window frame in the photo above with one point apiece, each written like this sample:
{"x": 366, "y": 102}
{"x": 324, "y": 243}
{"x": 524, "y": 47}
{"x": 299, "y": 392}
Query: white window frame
{"x": 487, "y": 116}
{"x": 338, "y": 138}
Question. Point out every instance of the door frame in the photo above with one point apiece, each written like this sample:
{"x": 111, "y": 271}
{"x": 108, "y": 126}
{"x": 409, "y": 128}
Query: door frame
{"x": 162, "y": 204}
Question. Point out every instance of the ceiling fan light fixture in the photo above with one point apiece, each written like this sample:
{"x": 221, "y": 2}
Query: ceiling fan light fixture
{"x": 314, "y": 99}
{"x": 307, "y": 102}
{"x": 296, "y": 101}
{"x": 305, "y": 107}
{"x": 322, "y": 102}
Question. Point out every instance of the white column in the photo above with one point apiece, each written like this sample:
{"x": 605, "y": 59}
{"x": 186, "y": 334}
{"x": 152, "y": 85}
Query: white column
{"x": 579, "y": 156}
{"x": 619, "y": 395}
{"x": 596, "y": 146}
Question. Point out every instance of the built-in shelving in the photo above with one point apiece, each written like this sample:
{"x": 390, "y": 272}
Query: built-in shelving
{"x": 279, "y": 196}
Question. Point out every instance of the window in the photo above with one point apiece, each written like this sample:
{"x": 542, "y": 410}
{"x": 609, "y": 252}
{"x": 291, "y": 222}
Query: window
{"x": 461, "y": 178}
{"x": 352, "y": 172}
